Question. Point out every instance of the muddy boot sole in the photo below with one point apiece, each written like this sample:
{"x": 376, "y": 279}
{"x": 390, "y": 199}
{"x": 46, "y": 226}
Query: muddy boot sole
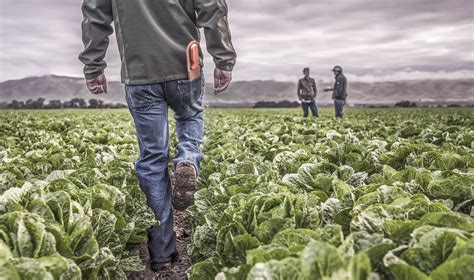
{"x": 185, "y": 182}
{"x": 159, "y": 267}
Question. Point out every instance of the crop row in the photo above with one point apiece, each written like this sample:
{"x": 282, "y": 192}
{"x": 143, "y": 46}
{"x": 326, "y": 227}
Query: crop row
{"x": 381, "y": 195}
{"x": 69, "y": 198}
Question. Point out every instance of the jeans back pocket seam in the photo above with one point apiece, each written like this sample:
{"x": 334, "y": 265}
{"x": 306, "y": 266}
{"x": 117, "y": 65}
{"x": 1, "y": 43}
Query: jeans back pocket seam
{"x": 130, "y": 99}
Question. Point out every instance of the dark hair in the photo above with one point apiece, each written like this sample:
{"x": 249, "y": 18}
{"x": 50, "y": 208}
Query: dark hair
{"x": 305, "y": 69}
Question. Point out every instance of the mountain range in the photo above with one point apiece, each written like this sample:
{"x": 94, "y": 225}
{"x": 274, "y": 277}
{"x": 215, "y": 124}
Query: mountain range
{"x": 246, "y": 93}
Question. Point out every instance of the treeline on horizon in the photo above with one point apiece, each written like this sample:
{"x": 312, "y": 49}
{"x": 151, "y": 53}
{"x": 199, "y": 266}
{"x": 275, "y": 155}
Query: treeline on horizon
{"x": 273, "y": 104}
{"x": 80, "y": 103}
{"x": 75, "y": 103}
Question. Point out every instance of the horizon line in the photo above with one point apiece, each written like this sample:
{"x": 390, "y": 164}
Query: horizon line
{"x": 255, "y": 80}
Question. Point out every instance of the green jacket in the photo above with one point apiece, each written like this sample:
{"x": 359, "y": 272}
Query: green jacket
{"x": 152, "y": 36}
{"x": 307, "y": 88}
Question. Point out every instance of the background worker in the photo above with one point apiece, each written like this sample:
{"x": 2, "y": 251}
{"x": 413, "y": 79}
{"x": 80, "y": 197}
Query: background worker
{"x": 307, "y": 92}
{"x": 339, "y": 90}
{"x": 153, "y": 37}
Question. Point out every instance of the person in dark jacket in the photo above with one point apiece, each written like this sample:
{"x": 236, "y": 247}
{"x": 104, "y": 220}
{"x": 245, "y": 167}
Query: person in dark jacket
{"x": 152, "y": 38}
{"x": 339, "y": 90}
{"x": 307, "y": 92}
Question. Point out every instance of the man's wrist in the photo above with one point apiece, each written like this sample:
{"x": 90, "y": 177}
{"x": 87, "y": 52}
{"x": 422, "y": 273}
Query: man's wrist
{"x": 225, "y": 67}
{"x": 90, "y": 76}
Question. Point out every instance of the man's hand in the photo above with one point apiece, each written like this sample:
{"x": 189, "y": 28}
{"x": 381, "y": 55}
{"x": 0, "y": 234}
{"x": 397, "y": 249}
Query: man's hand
{"x": 222, "y": 80}
{"x": 97, "y": 85}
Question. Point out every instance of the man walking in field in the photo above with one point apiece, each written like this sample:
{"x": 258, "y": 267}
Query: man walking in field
{"x": 153, "y": 37}
{"x": 307, "y": 92}
{"x": 339, "y": 90}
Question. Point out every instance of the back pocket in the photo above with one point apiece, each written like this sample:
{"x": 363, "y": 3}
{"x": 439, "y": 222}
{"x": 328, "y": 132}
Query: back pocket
{"x": 191, "y": 92}
{"x": 139, "y": 98}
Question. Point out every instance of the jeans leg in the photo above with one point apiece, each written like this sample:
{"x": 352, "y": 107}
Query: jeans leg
{"x": 150, "y": 114}
{"x": 341, "y": 112}
{"x": 185, "y": 98}
{"x": 339, "y": 105}
{"x": 305, "y": 109}
{"x": 314, "y": 108}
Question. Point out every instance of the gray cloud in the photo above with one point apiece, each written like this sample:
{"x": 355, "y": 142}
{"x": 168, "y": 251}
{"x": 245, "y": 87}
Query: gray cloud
{"x": 373, "y": 40}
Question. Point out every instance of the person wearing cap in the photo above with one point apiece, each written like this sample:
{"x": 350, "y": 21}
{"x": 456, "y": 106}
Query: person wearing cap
{"x": 339, "y": 91}
{"x": 307, "y": 92}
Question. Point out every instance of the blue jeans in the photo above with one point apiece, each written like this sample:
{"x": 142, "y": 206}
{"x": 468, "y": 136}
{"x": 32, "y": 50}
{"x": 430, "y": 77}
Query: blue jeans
{"x": 148, "y": 105}
{"x": 339, "y": 106}
{"x": 312, "y": 106}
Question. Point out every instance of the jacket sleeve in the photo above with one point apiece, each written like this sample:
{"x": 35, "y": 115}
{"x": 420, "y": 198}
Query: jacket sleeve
{"x": 315, "y": 88}
{"x": 96, "y": 29}
{"x": 298, "y": 93}
{"x": 344, "y": 88}
{"x": 212, "y": 17}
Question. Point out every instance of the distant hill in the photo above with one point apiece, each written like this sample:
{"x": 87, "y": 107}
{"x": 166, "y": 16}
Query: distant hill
{"x": 248, "y": 92}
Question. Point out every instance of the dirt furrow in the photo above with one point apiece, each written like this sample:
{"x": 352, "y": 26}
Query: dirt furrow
{"x": 177, "y": 270}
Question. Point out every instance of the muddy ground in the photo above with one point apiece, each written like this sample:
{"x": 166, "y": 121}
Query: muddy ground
{"x": 177, "y": 270}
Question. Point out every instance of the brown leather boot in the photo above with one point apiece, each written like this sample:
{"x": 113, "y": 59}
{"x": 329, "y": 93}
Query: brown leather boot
{"x": 185, "y": 182}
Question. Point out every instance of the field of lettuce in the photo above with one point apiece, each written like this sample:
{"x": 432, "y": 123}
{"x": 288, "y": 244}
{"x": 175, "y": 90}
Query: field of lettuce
{"x": 383, "y": 194}
{"x": 69, "y": 199}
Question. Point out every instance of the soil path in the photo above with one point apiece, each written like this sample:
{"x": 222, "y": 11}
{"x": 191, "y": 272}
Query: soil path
{"x": 177, "y": 270}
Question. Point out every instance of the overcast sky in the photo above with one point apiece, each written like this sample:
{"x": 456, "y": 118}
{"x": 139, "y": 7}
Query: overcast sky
{"x": 275, "y": 39}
